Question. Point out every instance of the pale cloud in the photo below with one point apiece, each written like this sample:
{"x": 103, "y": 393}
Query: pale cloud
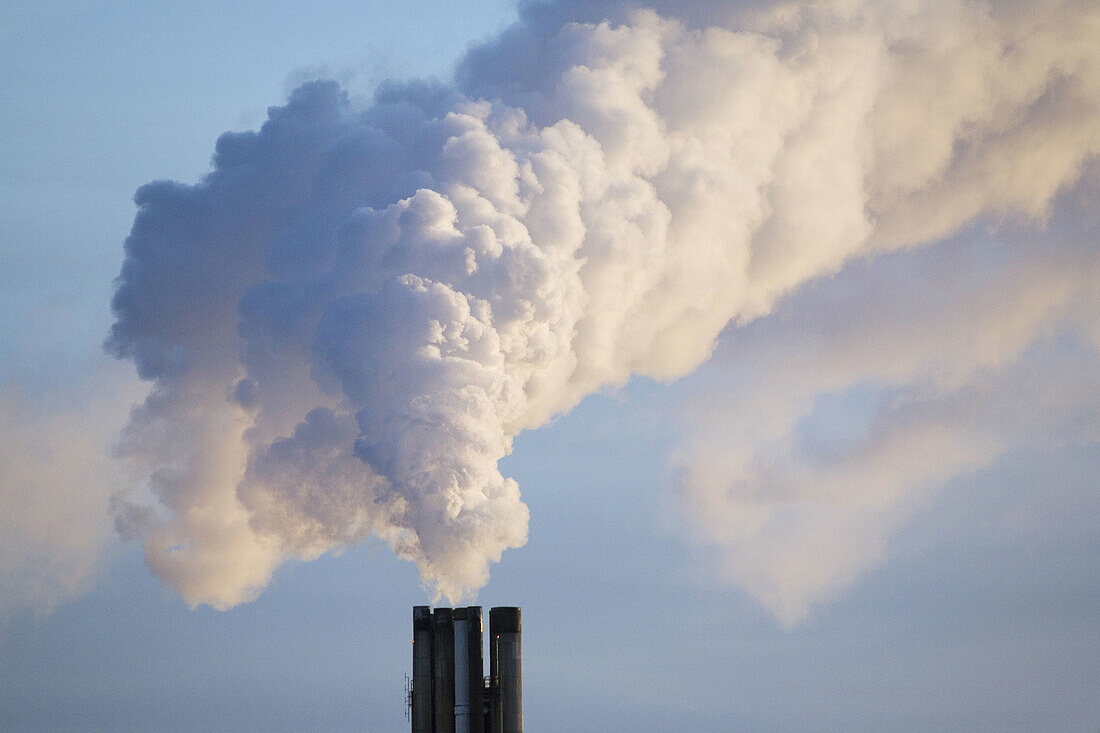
{"x": 819, "y": 429}
{"x": 57, "y": 475}
{"x": 349, "y": 320}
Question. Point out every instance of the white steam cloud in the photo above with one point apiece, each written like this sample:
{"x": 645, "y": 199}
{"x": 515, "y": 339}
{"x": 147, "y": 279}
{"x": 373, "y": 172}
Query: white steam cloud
{"x": 816, "y": 431}
{"x": 348, "y": 320}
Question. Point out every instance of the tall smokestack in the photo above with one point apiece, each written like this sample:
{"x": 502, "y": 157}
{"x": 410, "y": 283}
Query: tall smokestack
{"x": 449, "y": 693}
{"x": 462, "y": 670}
{"x": 443, "y": 671}
{"x": 422, "y": 670}
{"x": 475, "y": 670}
{"x": 507, "y": 665}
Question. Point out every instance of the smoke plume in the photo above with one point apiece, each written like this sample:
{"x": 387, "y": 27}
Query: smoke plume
{"x": 870, "y": 393}
{"x": 348, "y": 321}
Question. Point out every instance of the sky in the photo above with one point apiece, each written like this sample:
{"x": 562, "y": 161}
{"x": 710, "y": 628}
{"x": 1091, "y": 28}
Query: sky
{"x": 751, "y": 348}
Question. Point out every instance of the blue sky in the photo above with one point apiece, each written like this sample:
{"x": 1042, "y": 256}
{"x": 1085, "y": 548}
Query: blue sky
{"x": 827, "y": 456}
{"x": 102, "y": 97}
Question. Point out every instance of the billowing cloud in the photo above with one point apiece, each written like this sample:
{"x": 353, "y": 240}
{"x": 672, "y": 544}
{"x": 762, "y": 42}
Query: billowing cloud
{"x": 350, "y": 318}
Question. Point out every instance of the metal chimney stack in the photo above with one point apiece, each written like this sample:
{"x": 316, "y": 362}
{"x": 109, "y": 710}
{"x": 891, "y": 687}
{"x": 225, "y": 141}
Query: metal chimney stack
{"x": 475, "y": 666}
{"x": 443, "y": 671}
{"x": 422, "y": 670}
{"x": 507, "y": 665}
{"x": 449, "y": 694}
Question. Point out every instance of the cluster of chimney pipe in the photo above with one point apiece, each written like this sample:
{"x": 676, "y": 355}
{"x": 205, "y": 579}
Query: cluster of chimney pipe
{"x": 449, "y": 693}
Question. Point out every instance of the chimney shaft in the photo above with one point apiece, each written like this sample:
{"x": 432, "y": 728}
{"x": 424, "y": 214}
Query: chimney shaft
{"x": 475, "y": 681}
{"x": 422, "y": 670}
{"x": 449, "y": 693}
{"x": 507, "y": 663}
{"x": 443, "y": 671}
{"x": 462, "y": 670}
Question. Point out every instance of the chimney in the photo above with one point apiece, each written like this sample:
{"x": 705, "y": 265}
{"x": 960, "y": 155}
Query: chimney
{"x": 507, "y": 662}
{"x": 443, "y": 671}
{"x": 449, "y": 694}
{"x": 422, "y": 670}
